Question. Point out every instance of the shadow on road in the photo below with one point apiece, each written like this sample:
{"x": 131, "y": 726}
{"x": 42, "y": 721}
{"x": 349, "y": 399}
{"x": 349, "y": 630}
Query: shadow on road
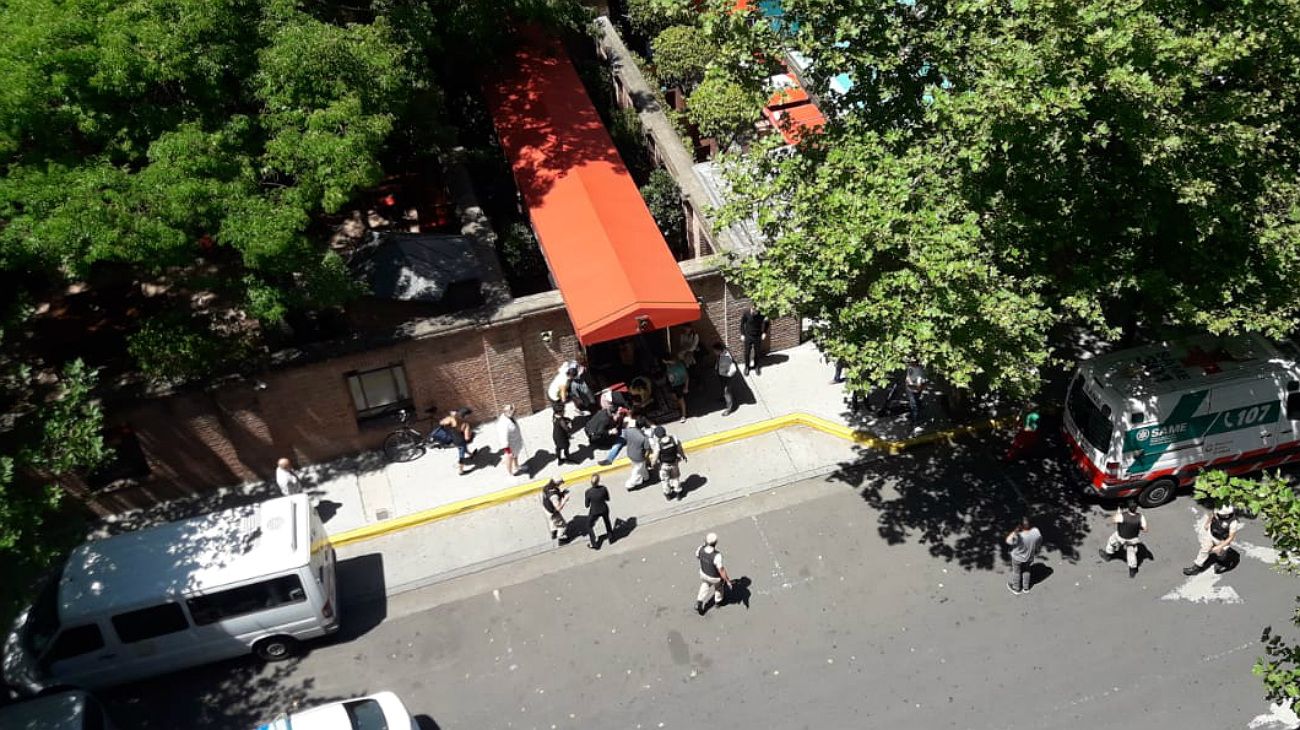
{"x": 960, "y": 500}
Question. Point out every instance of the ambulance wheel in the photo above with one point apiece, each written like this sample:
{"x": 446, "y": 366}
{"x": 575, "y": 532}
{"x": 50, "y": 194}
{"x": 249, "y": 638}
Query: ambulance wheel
{"x": 1158, "y": 492}
{"x": 276, "y": 648}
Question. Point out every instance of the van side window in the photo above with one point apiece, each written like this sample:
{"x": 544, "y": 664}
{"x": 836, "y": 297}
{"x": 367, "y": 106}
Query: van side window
{"x": 1293, "y": 406}
{"x": 74, "y": 642}
{"x": 149, "y": 623}
{"x": 214, "y": 607}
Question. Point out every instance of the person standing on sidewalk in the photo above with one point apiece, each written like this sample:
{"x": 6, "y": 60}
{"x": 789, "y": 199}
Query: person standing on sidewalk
{"x": 1129, "y": 525}
{"x": 561, "y": 428}
{"x": 679, "y": 380}
{"x": 635, "y": 437}
{"x": 1217, "y": 535}
{"x": 726, "y": 369}
{"x": 512, "y": 439}
{"x": 1024, "y": 541}
{"x": 286, "y": 478}
{"x": 753, "y": 330}
{"x": 668, "y": 454}
{"x": 713, "y": 575}
{"x": 554, "y": 497}
{"x": 597, "y": 501}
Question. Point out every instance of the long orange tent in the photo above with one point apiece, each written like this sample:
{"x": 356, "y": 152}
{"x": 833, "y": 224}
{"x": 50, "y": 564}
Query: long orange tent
{"x": 609, "y": 259}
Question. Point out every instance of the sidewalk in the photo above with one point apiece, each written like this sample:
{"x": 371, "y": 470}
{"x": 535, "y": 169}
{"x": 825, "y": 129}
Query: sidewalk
{"x": 355, "y": 493}
{"x": 440, "y": 525}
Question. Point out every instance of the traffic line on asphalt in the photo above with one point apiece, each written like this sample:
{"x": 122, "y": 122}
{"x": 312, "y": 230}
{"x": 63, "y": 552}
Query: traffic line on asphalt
{"x": 861, "y": 438}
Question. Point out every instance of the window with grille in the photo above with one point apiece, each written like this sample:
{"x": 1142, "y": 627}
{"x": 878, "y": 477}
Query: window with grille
{"x": 379, "y": 392}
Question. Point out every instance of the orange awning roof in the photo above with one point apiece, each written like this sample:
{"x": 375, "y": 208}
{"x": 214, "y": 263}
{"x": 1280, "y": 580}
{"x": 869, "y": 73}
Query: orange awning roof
{"x": 609, "y": 259}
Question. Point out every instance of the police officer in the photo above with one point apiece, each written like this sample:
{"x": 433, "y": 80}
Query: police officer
{"x": 554, "y": 497}
{"x": 713, "y": 575}
{"x": 1217, "y": 534}
{"x": 668, "y": 453}
{"x": 1129, "y": 524}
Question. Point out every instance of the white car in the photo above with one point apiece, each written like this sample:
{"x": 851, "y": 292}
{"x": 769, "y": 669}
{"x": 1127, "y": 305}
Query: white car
{"x": 379, "y": 711}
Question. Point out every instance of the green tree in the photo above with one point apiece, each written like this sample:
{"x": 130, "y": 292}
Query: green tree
{"x": 724, "y": 109}
{"x": 664, "y": 199}
{"x": 650, "y": 17}
{"x": 1275, "y": 501}
{"x": 1100, "y": 163}
{"x": 681, "y": 55}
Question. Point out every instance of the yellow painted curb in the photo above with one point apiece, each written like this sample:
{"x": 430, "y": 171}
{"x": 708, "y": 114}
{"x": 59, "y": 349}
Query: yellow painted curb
{"x": 807, "y": 420}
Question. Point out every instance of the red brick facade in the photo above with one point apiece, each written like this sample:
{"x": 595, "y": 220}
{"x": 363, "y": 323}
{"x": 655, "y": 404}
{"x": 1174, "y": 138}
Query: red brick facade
{"x": 199, "y": 441}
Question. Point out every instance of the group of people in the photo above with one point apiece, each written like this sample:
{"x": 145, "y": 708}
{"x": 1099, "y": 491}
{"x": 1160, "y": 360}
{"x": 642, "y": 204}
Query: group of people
{"x": 1216, "y": 534}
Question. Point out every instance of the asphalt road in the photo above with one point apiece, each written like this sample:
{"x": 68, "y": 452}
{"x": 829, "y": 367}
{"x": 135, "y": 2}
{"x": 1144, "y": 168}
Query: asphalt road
{"x": 876, "y": 598}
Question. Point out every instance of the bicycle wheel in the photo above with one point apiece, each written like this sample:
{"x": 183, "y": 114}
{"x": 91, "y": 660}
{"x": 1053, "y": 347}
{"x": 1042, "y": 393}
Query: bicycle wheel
{"x": 403, "y": 445}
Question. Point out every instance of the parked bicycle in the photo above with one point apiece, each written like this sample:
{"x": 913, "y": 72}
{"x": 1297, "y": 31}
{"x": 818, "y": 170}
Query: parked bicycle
{"x": 407, "y": 443}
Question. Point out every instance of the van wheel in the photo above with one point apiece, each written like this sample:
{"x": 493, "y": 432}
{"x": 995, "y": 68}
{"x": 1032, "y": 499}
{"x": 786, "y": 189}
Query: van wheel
{"x": 276, "y": 648}
{"x": 1158, "y": 492}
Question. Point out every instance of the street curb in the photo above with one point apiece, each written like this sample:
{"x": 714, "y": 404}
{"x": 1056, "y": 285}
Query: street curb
{"x": 862, "y": 438}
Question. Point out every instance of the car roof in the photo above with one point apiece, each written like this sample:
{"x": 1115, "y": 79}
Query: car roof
{"x": 333, "y": 716}
{"x": 190, "y": 556}
{"x": 62, "y": 711}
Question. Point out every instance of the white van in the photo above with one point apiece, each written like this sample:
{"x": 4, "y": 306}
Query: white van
{"x": 71, "y": 710}
{"x": 1148, "y": 420}
{"x": 258, "y": 578}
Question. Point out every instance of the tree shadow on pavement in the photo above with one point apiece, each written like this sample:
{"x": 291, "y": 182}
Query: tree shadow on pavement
{"x": 237, "y": 693}
{"x": 959, "y": 500}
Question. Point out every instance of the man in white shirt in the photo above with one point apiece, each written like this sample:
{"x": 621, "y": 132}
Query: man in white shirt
{"x": 726, "y": 369}
{"x": 712, "y": 575}
{"x": 286, "y": 478}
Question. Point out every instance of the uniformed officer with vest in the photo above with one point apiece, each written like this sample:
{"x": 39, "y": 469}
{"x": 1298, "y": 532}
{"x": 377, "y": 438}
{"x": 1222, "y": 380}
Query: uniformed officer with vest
{"x": 668, "y": 454}
{"x": 1217, "y": 534}
{"x": 1129, "y": 526}
{"x": 713, "y": 575}
{"x": 553, "y": 500}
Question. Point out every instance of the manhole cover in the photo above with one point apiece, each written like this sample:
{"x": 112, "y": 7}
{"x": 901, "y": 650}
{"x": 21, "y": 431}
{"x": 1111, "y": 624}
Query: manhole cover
{"x": 381, "y": 514}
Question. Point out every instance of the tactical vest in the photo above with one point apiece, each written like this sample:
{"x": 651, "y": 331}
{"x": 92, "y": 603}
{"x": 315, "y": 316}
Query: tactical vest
{"x": 707, "y": 566}
{"x": 546, "y": 501}
{"x": 1131, "y": 526}
{"x": 669, "y": 453}
{"x": 1219, "y": 527}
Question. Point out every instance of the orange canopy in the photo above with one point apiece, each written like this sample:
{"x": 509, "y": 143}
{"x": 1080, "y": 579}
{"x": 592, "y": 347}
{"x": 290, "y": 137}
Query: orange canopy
{"x": 609, "y": 259}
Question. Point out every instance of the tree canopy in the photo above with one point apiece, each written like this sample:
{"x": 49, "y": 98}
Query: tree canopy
{"x": 1000, "y": 167}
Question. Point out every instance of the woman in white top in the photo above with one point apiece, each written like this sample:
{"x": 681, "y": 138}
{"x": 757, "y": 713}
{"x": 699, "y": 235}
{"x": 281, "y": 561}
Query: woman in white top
{"x": 512, "y": 439}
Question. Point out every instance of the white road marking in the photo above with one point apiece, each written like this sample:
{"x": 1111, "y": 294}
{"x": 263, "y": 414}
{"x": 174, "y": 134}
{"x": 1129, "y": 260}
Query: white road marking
{"x": 1277, "y": 716}
{"x": 1203, "y": 588}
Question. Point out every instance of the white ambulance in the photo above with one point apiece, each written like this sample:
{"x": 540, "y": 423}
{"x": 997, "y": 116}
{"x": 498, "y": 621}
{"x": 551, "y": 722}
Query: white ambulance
{"x": 1146, "y": 421}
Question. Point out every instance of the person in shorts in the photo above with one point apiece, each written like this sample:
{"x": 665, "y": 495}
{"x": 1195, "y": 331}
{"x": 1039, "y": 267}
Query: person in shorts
{"x": 679, "y": 381}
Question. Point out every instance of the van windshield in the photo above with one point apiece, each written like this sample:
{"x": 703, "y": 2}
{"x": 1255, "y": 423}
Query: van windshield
{"x": 43, "y": 619}
{"x": 1093, "y": 422}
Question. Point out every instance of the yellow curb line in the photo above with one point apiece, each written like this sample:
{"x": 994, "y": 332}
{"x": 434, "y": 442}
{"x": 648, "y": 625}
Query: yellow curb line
{"x": 861, "y": 438}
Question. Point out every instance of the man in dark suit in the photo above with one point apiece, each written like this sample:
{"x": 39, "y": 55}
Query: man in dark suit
{"x": 597, "y": 501}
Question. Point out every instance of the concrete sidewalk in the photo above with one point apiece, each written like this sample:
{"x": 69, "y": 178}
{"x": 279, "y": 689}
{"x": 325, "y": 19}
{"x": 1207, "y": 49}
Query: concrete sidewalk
{"x": 356, "y": 492}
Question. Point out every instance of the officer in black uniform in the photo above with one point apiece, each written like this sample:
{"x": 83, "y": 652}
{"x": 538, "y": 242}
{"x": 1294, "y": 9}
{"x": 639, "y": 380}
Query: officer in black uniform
{"x": 1129, "y": 526}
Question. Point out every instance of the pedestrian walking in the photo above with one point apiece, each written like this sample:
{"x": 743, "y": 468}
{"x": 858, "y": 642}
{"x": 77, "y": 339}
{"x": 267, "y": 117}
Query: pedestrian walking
{"x": 561, "y": 428}
{"x": 726, "y": 370}
{"x": 668, "y": 455}
{"x": 460, "y": 433}
{"x": 511, "y": 438}
{"x": 713, "y": 575}
{"x": 554, "y": 497}
{"x": 1129, "y": 525}
{"x": 637, "y": 449}
{"x": 597, "y": 500}
{"x": 753, "y": 330}
{"x": 1024, "y": 541}
{"x": 1217, "y": 533}
{"x": 913, "y": 386}
{"x": 287, "y": 478}
{"x": 679, "y": 380}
